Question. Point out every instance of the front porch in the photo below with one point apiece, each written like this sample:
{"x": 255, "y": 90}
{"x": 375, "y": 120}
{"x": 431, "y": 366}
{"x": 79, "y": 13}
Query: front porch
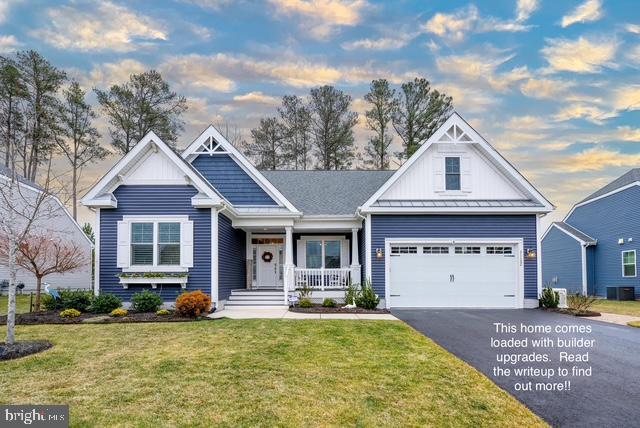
{"x": 280, "y": 262}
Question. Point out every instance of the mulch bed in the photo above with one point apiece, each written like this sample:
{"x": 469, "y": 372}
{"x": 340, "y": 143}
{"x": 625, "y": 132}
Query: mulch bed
{"x": 53, "y": 317}
{"x": 570, "y": 312}
{"x": 339, "y": 310}
{"x": 22, "y": 349}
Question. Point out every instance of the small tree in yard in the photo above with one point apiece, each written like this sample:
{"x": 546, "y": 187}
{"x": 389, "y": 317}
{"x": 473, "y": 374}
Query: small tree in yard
{"x": 43, "y": 255}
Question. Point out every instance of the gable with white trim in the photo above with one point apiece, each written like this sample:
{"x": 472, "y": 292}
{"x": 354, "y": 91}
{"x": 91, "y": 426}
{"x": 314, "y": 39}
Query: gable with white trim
{"x": 155, "y": 168}
{"x": 456, "y": 169}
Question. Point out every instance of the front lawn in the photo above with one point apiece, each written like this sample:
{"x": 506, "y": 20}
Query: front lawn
{"x": 255, "y": 372}
{"x": 22, "y": 304}
{"x": 628, "y": 307}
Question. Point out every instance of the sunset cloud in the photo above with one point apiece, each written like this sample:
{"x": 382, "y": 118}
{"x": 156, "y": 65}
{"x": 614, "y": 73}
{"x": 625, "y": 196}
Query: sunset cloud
{"x": 596, "y": 159}
{"x": 579, "y": 56}
{"x": 545, "y": 88}
{"x": 582, "y": 111}
{"x": 257, "y": 97}
{"x": 589, "y": 11}
{"x": 8, "y": 44}
{"x": 103, "y": 26}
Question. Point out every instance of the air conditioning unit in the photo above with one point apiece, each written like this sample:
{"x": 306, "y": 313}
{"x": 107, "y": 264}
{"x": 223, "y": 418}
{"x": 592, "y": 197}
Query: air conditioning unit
{"x": 562, "y": 293}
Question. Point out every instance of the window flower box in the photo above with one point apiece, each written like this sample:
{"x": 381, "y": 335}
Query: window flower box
{"x": 152, "y": 279}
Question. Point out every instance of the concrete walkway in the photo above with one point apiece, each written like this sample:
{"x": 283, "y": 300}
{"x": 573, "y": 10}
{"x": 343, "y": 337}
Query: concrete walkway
{"x": 616, "y": 318}
{"x": 286, "y": 314}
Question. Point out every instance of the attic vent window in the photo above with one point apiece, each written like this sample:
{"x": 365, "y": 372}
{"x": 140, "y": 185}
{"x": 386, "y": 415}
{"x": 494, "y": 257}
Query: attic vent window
{"x": 210, "y": 147}
{"x": 455, "y": 134}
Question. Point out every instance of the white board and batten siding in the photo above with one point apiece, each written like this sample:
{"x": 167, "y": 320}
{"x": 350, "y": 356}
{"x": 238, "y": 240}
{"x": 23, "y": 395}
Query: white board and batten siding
{"x": 479, "y": 178}
{"x": 155, "y": 168}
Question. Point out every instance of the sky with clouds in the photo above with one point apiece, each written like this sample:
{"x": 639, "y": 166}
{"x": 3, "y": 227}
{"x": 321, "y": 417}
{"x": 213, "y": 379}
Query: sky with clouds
{"x": 554, "y": 85}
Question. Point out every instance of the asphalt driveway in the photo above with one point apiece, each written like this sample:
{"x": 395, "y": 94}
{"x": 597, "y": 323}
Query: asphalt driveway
{"x": 610, "y": 397}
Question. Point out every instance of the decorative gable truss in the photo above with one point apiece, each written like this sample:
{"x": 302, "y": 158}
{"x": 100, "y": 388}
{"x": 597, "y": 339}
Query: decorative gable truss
{"x": 211, "y": 142}
{"x": 151, "y": 162}
{"x": 456, "y": 170}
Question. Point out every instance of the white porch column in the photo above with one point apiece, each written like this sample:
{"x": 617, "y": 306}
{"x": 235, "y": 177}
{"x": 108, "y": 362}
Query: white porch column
{"x": 96, "y": 254}
{"x": 215, "y": 298}
{"x": 355, "y": 258}
{"x": 288, "y": 264}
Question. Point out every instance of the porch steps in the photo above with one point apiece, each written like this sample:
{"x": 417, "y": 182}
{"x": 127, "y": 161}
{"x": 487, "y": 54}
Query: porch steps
{"x": 256, "y": 299}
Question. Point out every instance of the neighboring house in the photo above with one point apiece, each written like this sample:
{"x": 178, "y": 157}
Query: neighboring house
{"x": 595, "y": 246}
{"x": 456, "y": 226}
{"x": 57, "y": 222}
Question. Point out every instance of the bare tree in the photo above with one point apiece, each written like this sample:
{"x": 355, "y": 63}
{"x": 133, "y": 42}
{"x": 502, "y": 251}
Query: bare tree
{"x": 78, "y": 140}
{"x": 12, "y": 93}
{"x": 296, "y": 119}
{"x": 23, "y": 209}
{"x": 381, "y": 99}
{"x": 231, "y": 132}
{"x": 44, "y": 254}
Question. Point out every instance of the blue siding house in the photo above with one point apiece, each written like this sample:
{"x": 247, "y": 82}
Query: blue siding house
{"x": 595, "y": 246}
{"x": 456, "y": 226}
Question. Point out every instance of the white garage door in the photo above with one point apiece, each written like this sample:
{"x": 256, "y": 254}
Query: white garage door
{"x": 453, "y": 275}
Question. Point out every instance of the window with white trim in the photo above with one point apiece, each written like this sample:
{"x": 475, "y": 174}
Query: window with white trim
{"x": 142, "y": 244}
{"x": 452, "y": 173}
{"x": 169, "y": 244}
{"x": 322, "y": 253}
{"x": 629, "y": 263}
{"x": 467, "y": 250}
{"x": 435, "y": 250}
{"x": 404, "y": 250}
{"x": 499, "y": 250}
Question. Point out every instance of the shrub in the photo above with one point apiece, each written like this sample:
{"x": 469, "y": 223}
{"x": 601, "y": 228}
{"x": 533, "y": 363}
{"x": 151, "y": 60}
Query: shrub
{"x": 351, "y": 294}
{"x": 329, "y": 303}
{"x": 70, "y": 313}
{"x": 367, "y": 298}
{"x": 105, "y": 303}
{"x": 305, "y": 303}
{"x": 146, "y": 301}
{"x": 119, "y": 313}
{"x": 163, "y": 312}
{"x": 193, "y": 304}
{"x": 80, "y": 300}
{"x": 305, "y": 292}
{"x": 48, "y": 303}
{"x": 549, "y": 298}
{"x": 580, "y": 304}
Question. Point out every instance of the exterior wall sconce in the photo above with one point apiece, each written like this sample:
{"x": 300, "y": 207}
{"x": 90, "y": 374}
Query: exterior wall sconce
{"x": 531, "y": 253}
{"x": 379, "y": 253}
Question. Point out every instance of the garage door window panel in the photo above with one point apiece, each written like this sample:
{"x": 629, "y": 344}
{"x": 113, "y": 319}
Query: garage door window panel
{"x": 435, "y": 250}
{"x": 499, "y": 250}
{"x": 467, "y": 250}
{"x": 404, "y": 250}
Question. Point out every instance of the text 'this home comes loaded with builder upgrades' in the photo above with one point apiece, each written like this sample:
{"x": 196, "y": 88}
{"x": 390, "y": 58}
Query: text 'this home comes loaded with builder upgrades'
{"x": 456, "y": 226}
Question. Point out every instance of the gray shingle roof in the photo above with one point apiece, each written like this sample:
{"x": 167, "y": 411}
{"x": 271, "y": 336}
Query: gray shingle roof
{"x": 575, "y": 232}
{"x": 628, "y": 178}
{"x": 327, "y": 192}
{"x": 7, "y": 173}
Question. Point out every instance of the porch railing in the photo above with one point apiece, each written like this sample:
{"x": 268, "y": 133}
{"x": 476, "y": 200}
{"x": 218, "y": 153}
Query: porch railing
{"x": 322, "y": 279}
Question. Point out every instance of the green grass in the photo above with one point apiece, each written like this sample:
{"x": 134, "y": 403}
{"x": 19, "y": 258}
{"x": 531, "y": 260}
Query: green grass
{"x": 255, "y": 373}
{"x": 628, "y": 307}
{"x": 635, "y": 324}
{"x": 22, "y": 304}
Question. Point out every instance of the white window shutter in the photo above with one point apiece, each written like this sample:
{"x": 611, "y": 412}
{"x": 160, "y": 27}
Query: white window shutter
{"x": 344, "y": 253}
{"x": 186, "y": 244}
{"x": 466, "y": 180}
{"x": 124, "y": 245}
{"x": 438, "y": 174}
{"x": 301, "y": 254}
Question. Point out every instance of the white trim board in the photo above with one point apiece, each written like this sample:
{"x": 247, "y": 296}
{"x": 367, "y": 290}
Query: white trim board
{"x": 211, "y": 132}
{"x": 492, "y": 154}
{"x": 567, "y": 233}
{"x": 113, "y": 178}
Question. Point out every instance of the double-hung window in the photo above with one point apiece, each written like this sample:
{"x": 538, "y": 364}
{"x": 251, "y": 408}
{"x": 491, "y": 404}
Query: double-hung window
{"x": 323, "y": 253}
{"x": 169, "y": 243}
{"x": 155, "y": 243}
{"x": 629, "y": 263}
{"x": 452, "y": 173}
{"x": 142, "y": 244}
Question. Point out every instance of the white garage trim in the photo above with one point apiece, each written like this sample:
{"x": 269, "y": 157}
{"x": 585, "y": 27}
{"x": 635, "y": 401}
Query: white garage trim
{"x": 516, "y": 242}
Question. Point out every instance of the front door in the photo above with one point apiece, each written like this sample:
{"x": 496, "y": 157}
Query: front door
{"x": 268, "y": 266}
